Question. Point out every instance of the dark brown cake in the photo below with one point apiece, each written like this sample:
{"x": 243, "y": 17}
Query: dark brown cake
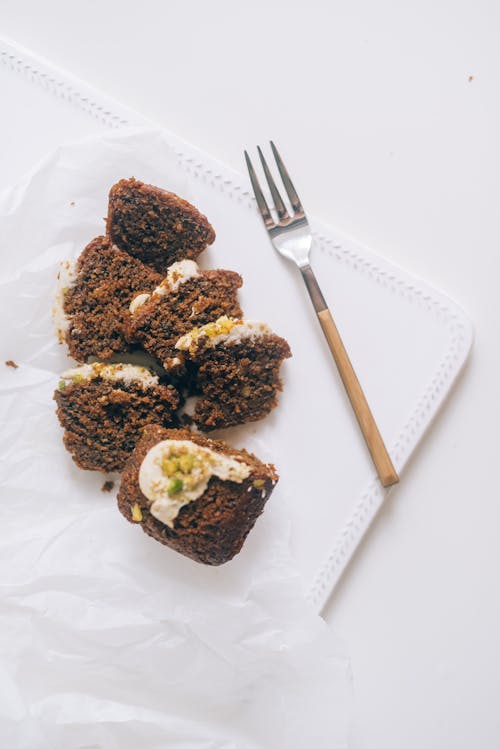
{"x": 188, "y": 297}
{"x": 236, "y": 371}
{"x": 211, "y": 528}
{"x": 96, "y": 302}
{"x": 103, "y": 409}
{"x": 154, "y": 225}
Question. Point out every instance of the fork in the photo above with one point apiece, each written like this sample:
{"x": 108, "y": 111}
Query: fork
{"x": 291, "y": 237}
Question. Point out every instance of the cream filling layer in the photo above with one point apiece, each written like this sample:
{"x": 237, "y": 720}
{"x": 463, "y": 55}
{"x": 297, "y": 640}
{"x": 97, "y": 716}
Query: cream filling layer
{"x": 126, "y": 373}
{"x": 177, "y": 273}
{"x": 176, "y": 472}
{"x": 65, "y": 278}
{"x": 223, "y": 331}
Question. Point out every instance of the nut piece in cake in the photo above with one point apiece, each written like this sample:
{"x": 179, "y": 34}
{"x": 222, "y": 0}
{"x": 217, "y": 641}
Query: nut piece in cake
{"x": 93, "y": 299}
{"x": 154, "y": 225}
{"x": 236, "y": 370}
{"x": 103, "y": 409}
{"x": 186, "y": 298}
{"x": 196, "y": 495}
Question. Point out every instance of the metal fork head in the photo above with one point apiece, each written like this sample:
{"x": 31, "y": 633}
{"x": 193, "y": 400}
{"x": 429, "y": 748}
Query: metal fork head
{"x": 290, "y": 234}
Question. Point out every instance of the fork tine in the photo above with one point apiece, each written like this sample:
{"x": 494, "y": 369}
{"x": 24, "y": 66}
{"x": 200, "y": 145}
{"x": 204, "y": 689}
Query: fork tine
{"x": 259, "y": 195}
{"x": 290, "y": 189}
{"x": 278, "y": 202}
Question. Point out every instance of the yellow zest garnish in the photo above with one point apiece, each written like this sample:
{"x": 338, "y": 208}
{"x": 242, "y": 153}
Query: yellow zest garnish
{"x": 136, "y": 513}
{"x": 222, "y": 326}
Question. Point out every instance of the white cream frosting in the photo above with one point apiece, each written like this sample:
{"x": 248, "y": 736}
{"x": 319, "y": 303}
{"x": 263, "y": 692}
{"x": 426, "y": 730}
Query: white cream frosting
{"x": 177, "y": 273}
{"x": 127, "y": 373}
{"x": 223, "y": 331}
{"x": 137, "y": 302}
{"x": 176, "y": 472}
{"x": 65, "y": 278}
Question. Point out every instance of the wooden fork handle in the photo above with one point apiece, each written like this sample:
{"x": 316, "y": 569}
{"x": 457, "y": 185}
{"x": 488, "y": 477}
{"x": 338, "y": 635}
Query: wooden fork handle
{"x": 385, "y": 469}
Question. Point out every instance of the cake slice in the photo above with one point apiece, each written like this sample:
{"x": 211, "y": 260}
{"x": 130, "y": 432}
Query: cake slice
{"x": 103, "y": 409}
{"x": 236, "y": 370}
{"x": 154, "y": 225}
{"x": 94, "y": 294}
{"x": 186, "y": 298}
{"x": 196, "y": 495}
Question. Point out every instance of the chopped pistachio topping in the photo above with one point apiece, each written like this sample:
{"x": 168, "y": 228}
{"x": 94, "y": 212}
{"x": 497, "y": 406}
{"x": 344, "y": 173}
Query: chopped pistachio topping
{"x": 176, "y": 472}
{"x": 126, "y": 373}
{"x": 176, "y": 485}
{"x": 62, "y": 385}
{"x": 187, "y": 462}
{"x": 224, "y": 330}
{"x": 258, "y": 483}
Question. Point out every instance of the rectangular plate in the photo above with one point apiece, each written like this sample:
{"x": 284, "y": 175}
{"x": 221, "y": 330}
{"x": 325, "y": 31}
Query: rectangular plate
{"x": 406, "y": 340}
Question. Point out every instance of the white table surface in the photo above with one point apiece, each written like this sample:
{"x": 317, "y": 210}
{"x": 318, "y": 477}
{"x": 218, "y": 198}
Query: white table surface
{"x": 395, "y": 141}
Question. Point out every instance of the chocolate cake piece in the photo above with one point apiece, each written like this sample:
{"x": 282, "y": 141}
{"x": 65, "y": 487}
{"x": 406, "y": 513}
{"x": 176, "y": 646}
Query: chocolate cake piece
{"x": 196, "y": 495}
{"x": 236, "y": 367}
{"x": 103, "y": 409}
{"x": 94, "y": 294}
{"x": 186, "y": 298}
{"x": 154, "y": 225}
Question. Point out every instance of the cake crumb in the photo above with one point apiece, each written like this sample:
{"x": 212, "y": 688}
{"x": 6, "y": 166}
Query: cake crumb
{"x": 107, "y": 486}
{"x": 470, "y": 78}
{"x": 72, "y": 202}
{"x": 10, "y": 363}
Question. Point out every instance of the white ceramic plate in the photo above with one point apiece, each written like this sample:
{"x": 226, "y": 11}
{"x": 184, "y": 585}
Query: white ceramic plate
{"x": 407, "y": 341}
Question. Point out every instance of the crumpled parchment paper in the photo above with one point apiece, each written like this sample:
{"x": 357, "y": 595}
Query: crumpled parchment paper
{"x": 108, "y": 639}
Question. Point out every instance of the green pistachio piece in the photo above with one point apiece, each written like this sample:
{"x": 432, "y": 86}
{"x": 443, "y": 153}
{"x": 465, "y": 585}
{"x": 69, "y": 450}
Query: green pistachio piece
{"x": 175, "y": 486}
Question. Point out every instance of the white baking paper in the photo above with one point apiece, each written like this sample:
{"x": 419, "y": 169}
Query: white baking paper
{"x": 108, "y": 639}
